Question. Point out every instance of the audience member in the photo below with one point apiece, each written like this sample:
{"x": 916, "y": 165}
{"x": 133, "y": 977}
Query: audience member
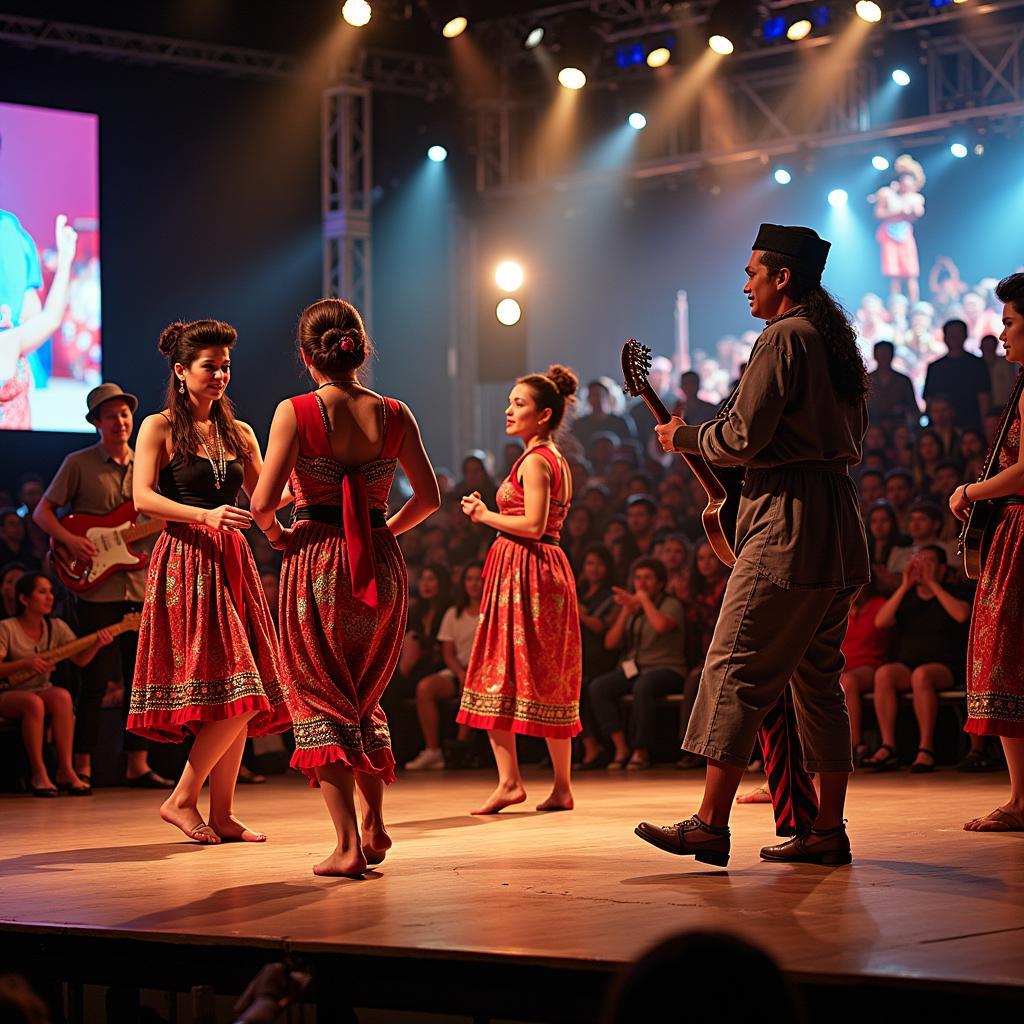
{"x": 924, "y": 528}
{"x": 691, "y": 406}
{"x": 892, "y": 393}
{"x": 641, "y": 510}
{"x": 961, "y": 377}
{"x": 14, "y": 542}
{"x": 600, "y": 416}
{"x": 1002, "y": 374}
{"x": 9, "y": 576}
{"x": 899, "y": 492}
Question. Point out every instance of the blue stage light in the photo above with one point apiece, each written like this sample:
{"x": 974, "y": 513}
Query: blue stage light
{"x": 838, "y": 198}
{"x": 880, "y": 163}
{"x": 637, "y": 120}
{"x": 774, "y": 28}
{"x": 900, "y": 77}
{"x": 438, "y": 154}
{"x": 782, "y": 176}
{"x": 959, "y": 150}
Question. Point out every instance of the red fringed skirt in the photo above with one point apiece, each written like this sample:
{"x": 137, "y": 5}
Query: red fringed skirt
{"x": 338, "y": 654}
{"x": 526, "y": 668}
{"x": 207, "y": 647}
{"x": 995, "y": 671}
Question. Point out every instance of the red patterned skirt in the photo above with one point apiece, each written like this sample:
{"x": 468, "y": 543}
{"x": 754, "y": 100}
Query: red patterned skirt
{"x": 337, "y": 653}
{"x": 526, "y": 668}
{"x": 207, "y": 647}
{"x": 995, "y": 671}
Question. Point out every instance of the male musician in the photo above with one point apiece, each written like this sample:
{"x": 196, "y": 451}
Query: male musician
{"x": 796, "y": 423}
{"x": 96, "y": 481}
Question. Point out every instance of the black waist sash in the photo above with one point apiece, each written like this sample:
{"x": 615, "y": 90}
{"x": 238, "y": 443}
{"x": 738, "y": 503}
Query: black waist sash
{"x": 331, "y": 515}
{"x": 546, "y": 539}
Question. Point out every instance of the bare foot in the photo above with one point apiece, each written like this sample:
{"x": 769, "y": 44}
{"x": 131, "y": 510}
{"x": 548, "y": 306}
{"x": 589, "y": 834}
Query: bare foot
{"x": 346, "y": 864}
{"x": 503, "y": 796}
{"x": 231, "y": 830}
{"x": 761, "y": 795}
{"x": 376, "y": 843}
{"x": 557, "y": 802}
{"x": 189, "y": 820}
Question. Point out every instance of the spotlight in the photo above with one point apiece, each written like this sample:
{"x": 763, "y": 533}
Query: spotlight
{"x": 901, "y": 78}
{"x": 959, "y": 150}
{"x": 979, "y": 149}
{"x": 730, "y": 23}
{"x": 438, "y": 154}
{"x": 508, "y": 276}
{"x": 571, "y": 78}
{"x": 454, "y": 27}
{"x": 659, "y": 57}
{"x": 838, "y": 198}
{"x": 799, "y": 29}
{"x": 637, "y": 120}
{"x": 880, "y": 163}
{"x": 868, "y": 10}
{"x": 722, "y": 45}
{"x": 534, "y": 38}
{"x": 508, "y": 312}
{"x": 356, "y": 12}
{"x": 782, "y": 176}
{"x": 774, "y": 28}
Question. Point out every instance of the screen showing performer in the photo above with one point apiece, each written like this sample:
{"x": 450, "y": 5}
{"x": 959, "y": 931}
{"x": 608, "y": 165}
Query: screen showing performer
{"x": 50, "y": 348}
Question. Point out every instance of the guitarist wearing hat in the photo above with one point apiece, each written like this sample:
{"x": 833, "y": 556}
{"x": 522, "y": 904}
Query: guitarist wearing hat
{"x": 796, "y": 424}
{"x": 96, "y": 481}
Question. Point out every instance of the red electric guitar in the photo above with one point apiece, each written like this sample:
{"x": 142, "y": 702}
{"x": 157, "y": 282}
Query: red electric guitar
{"x": 112, "y": 535}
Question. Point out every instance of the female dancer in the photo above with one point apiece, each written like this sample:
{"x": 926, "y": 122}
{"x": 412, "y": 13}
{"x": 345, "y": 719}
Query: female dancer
{"x": 344, "y": 585}
{"x": 525, "y": 670}
{"x": 207, "y": 649}
{"x": 995, "y": 676}
{"x": 24, "y": 641}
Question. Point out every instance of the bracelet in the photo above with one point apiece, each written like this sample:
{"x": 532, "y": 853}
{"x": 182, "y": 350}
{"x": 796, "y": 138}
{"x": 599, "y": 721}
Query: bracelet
{"x": 967, "y": 497}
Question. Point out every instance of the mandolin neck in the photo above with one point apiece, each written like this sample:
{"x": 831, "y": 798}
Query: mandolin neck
{"x": 143, "y": 530}
{"x": 83, "y": 643}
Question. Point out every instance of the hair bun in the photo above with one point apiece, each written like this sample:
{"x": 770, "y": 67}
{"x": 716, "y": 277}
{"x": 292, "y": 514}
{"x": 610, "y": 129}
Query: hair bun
{"x": 331, "y": 337}
{"x": 170, "y": 336}
{"x": 564, "y": 380}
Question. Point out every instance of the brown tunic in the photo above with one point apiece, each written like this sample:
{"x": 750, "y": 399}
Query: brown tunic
{"x": 799, "y": 523}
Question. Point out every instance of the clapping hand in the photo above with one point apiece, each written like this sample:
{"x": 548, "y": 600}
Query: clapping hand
{"x": 625, "y": 599}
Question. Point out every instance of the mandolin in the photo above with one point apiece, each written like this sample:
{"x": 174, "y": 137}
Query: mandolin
{"x": 128, "y": 624}
{"x": 719, "y": 516}
{"x": 113, "y": 535}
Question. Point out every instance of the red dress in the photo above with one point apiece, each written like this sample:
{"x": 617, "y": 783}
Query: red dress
{"x": 525, "y": 670}
{"x": 207, "y": 646}
{"x": 995, "y": 672}
{"x": 344, "y": 599}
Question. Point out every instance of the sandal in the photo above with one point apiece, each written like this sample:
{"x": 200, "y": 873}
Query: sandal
{"x": 617, "y": 765}
{"x": 889, "y": 763}
{"x": 1006, "y": 820}
{"x": 924, "y": 769}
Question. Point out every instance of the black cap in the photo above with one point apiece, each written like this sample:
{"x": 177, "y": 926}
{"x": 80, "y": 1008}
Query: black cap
{"x": 806, "y": 247}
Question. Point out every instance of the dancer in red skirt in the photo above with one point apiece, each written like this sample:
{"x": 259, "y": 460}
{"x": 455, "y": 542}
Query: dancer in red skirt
{"x": 995, "y": 673}
{"x": 344, "y": 585}
{"x": 525, "y": 670}
{"x": 207, "y": 660}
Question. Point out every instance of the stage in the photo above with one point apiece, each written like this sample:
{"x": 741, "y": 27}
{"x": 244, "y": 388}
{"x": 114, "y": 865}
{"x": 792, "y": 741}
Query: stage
{"x": 522, "y": 915}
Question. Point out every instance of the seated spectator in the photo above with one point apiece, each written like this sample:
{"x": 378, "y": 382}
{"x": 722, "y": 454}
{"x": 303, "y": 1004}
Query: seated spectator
{"x": 1002, "y": 374}
{"x": 510, "y": 456}
{"x": 14, "y": 542}
{"x": 871, "y": 488}
{"x": 899, "y": 492}
{"x": 24, "y": 641}
{"x": 940, "y": 420}
{"x": 601, "y": 450}
{"x": 924, "y": 527}
{"x": 476, "y": 478}
{"x": 579, "y": 534}
{"x": 9, "y": 576}
{"x": 972, "y": 451}
{"x": 641, "y": 510}
{"x": 691, "y": 407}
{"x": 866, "y": 649}
{"x": 595, "y": 497}
{"x": 929, "y": 452}
{"x": 929, "y": 619}
{"x": 874, "y": 458}
{"x": 30, "y": 490}
{"x": 601, "y": 417}
{"x": 619, "y": 541}
{"x": 676, "y": 554}
{"x": 598, "y": 611}
{"x": 891, "y": 393}
{"x": 883, "y": 538}
{"x": 421, "y": 650}
{"x": 455, "y": 635}
{"x": 651, "y": 664}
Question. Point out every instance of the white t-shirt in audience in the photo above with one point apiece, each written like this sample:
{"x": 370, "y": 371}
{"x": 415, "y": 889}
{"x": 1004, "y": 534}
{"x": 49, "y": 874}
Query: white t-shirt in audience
{"x": 459, "y": 629}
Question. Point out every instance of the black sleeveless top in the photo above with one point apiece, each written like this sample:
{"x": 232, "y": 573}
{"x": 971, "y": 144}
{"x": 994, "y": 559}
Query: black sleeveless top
{"x": 191, "y": 482}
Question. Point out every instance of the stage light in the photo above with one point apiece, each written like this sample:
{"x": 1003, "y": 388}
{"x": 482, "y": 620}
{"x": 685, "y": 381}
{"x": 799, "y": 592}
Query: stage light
{"x": 959, "y": 150}
{"x": 508, "y": 312}
{"x": 637, "y": 121}
{"x": 722, "y": 45}
{"x": 730, "y": 24}
{"x": 455, "y": 27}
{"x": 357, "y": 12}
{"x": 838, "y": 198}
{"x": 868, "y": 11}
{"x": 979, "y": 149}
{"x": 900, "y": 77}
{"x": 534, "y": 38}
{"x": 508, "y": 276}
{"x": 659, "y": 57}
{"x": 880, "y": 163}
{"x": 774, "y": 28}
{"x": 782, "y": 176}
{"x": 438, "y": 154}
{"x": 571, "y": 78}
{"x": 799, "y": 29}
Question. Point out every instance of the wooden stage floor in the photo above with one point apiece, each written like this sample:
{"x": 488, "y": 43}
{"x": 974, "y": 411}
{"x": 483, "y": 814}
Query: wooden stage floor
{"x": 923, "y": 903}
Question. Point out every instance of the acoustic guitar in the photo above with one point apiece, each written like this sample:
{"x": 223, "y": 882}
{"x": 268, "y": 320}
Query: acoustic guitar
{"x": 112, "y": 535}
{"x": 129, "y": 624}
{"x": 722, "y": 488}
{"x": 976, "y": 533}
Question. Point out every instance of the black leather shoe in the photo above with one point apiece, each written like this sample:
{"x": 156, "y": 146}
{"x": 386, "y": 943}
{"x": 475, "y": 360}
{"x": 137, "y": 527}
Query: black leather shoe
{"x": 678, "y": 839}
{"x": 815, "y": 846}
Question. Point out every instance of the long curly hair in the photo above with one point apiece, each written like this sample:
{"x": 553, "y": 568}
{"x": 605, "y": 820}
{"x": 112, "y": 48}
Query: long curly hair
{"x": 845, "y": 364}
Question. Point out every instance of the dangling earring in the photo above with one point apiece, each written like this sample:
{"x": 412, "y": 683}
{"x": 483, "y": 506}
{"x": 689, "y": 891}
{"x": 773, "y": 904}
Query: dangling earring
{"x": 181, "y": 387}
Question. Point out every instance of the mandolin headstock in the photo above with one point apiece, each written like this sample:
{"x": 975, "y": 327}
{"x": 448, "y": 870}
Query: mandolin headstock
{"x": 636, "y": 365}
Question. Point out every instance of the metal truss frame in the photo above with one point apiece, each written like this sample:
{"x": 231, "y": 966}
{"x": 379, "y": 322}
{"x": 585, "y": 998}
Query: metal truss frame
{"x": 346, "y": 141}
